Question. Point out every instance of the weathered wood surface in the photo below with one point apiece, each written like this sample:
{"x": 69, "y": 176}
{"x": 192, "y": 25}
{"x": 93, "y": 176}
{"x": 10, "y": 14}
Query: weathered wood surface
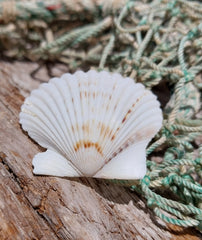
{"x": 37, "y": 207}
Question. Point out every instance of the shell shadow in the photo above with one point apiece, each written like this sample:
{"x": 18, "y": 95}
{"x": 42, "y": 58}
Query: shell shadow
{"x": 117, "y": 194}
{"x": 113, "y": 192}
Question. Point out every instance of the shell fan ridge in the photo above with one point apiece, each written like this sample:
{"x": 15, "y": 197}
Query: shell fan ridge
{"x": 93, "y": 124}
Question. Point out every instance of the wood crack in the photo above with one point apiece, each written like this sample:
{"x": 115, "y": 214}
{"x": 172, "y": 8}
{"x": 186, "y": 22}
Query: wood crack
{"x": 19, "y": 183}
{"x": 7, "y": 107}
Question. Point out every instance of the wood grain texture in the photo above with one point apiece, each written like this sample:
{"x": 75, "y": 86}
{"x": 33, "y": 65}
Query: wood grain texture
{"x": 38, "y": 207}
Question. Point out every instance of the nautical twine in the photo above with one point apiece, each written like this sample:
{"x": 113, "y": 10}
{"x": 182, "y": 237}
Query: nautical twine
{"x": 155, "y": 42}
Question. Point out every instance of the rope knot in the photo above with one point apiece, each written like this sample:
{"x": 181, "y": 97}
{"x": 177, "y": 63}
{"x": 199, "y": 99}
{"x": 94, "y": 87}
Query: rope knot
{"x": 192, "y": 33}
{"x": 168, "y": 180}
{"x": 188, "y": 76}
{"x": 146, "y": 180}
{"x": 155, "y": 27}
{"x": 187, "y": 177}
{"x": 175, "y": 11}
{"x": 155, "y": 74}
{"x": 164, "y": 47}
{"x": 167, "y": 131}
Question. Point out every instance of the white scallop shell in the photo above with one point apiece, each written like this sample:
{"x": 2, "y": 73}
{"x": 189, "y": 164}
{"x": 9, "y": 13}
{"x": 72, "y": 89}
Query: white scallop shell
{"x": 93, "y": 124}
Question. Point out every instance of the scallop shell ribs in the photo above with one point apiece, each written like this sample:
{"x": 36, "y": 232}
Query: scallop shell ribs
{"x": 94, "y": 124}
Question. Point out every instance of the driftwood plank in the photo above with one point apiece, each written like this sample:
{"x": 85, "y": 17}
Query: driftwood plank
{"x": 37, "y": 207}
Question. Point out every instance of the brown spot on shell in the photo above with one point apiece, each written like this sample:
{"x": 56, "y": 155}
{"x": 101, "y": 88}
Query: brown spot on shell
{"x": 132, "y": 107}
{"x": 112, "y": 138}
{"x": 115, "y": 154}
{"x": 114, "y": 135}
{"x": 75, "y": 128}
{"x": 115, "y": 106}
{"x": 120, "y": 149}
{"x": 88, "y": 144}
{"x": 104, "y": 130}
{"x": 86, "y": 128}
{"x": 127, "y": 114}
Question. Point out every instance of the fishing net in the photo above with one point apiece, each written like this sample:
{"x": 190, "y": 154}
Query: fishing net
{"x": 157, "y": 43}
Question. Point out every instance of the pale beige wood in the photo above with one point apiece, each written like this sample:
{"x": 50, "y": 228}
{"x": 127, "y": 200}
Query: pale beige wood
{"x": 37, "y": 207}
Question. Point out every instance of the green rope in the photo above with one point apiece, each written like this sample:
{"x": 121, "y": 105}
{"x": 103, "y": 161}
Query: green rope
{"x": 107, "y": 51}
{"x": 63, "y": 40}
{"x": 183, "y": 223}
